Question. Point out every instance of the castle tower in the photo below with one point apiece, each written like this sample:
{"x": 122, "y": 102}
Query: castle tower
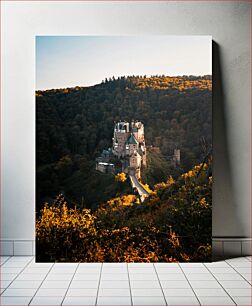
{"x": 176, "y": 157}
{"x": 129, "y": 145}
{"x": 121, "y": 134}
{"x": 138, "y": 130}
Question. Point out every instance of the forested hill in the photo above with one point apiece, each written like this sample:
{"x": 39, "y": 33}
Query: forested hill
{"x": 73, "y": 125}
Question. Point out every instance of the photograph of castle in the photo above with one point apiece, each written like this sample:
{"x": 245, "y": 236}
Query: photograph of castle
{"x": 123, "y": 149}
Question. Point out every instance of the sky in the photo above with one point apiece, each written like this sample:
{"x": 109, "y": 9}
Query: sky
{"x": 69, "y": 61}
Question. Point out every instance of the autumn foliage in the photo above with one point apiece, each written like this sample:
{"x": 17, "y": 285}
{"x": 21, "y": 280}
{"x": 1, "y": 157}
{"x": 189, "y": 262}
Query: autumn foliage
{"x": 121, "y": 177}
{"x": 74, "y": 125}
{"x": 179, "y": 83}
{"x": 173, "y": 224}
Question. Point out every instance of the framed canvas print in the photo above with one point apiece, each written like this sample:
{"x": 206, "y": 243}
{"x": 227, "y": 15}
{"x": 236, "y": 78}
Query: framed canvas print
{"x": 123, "y": 148}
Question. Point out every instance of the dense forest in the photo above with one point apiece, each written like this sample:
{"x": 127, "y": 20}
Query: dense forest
{"x": 73, "y": 126}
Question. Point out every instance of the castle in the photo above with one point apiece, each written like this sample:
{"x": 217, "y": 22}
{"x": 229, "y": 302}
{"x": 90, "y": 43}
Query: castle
{"x": 128, "y": 147}
{"x": 128, "y": 152}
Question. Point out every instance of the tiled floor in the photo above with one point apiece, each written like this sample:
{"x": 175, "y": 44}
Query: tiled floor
{"x": 24, "y": 282}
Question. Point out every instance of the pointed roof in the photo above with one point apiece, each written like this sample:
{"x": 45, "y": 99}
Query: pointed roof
{"x": 132, "y": 140}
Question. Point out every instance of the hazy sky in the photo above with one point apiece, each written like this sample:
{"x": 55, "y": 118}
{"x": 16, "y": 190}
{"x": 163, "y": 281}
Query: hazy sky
{"x": 68, "y": 61}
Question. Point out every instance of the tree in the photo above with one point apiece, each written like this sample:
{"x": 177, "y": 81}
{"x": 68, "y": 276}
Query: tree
{"x": 120, "y": 177}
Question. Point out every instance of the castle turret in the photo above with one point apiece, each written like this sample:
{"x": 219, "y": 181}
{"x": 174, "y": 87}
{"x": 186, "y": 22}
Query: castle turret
{"x": 137, "y": 129}
{"x": 121, "y": 134}
{"x": 176, "y": 157}
{"x": 129, "y": 145}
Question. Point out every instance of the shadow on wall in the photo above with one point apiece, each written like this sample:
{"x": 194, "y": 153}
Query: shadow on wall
{"x": 225, "y": 215}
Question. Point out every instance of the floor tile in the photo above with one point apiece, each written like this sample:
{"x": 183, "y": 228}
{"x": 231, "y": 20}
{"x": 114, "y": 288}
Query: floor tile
{"x": 104, "y": 300}
{"x": 248, "y": 277}
{"x": 79, "y": 301}
{"x": 175, "y": 276}
{"x": 114, "y": 284}
{"x": 36, "y": 270}
{"x": 51, "y": 292}
{"x": 144, "y": 284}
{"x": 88, "y": 270}
{"x": 39, "y": 265}
{"x": 180, "y": 300}
{"x": 146, "y": 292}
{"x": 1, "y": 290}
{"x": 142, "y": 271}
{"x": 8, "y": 276}
{"x": 55, "y": 284}
{"x": 210, "y": 292}
{"x": 114, "y": 292}
{"x": 243, "y": 300}
{"x": 47, "y": 300}
{"x": 82, "y": 292}
{"x": 220, "y": 300}
{"x": 86, "y": 277}
{"x": 200, "y": 276}
{"x": 133, "y": 265}
{"x": 9, "y": 270}
{"x": 190, "y": 264}
{"x": 241, "y": 264}
{"x": 237, "y": 259}
{"x": 195, "y": 270}
{"x": 229, "y": 276}
{"x": 5, "y": 283}
{"x": 19, "y": 292}
{"x": 4, "y": 259}
{"x": 217, "y": 264}
{"x": 243, "y": 270}
{"x": 29, "y": 276}
{"x": 62, "y": 270}
{"x": 84, "y": 284}
{"x": 95, "y": 264}
{"x": 66, "y": 265}
{"x": 15, "y": 300}
{"x": 24, "y": 284}
{"x": 239, "y": 291}
{"x": 117, "y": 276}
{"x": 114, "y": 264}
{"x": 89, "y": 267}
{"x": 166, "y": 265}
{"x": 178, "y": 292}
{"x": 175, "y": 269}
{"x": 59, "y": 277}
{"x": 204, "y": 284}
{"x": 143, "y": 277}
{"x": 152, "y": 301}
{"x": 115, "y": 270}
{"x": 175, "y": 284}
{"x": 234, "y": 284}
{"x": 14, "y": 264}
{"x": 220, "y": 270}
{"x": 21, "y": 258}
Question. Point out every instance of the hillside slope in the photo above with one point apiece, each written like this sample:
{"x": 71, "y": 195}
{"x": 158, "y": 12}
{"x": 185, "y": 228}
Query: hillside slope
{"x": 74, "y": 125}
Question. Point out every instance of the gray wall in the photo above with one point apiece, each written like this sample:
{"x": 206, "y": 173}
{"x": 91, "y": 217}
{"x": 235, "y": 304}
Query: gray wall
{"x": 229, "y": 25}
